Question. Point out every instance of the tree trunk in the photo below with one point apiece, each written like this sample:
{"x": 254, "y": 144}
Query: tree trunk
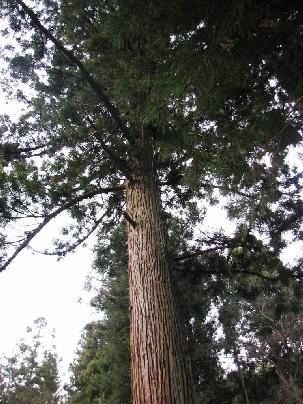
{"x": 160, "y": 364}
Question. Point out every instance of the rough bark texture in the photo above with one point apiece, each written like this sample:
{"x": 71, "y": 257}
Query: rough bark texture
{"x": 160, "y": 365}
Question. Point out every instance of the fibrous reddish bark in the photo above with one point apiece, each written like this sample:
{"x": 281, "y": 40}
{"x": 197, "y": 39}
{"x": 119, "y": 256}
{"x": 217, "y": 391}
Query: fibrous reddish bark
{"x": 160, "y": 365}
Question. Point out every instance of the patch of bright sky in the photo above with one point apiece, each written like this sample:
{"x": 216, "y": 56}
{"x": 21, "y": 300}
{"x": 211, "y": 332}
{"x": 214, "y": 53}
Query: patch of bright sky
{"x": 40, "y": 286}
{"x": 293, "y": 251}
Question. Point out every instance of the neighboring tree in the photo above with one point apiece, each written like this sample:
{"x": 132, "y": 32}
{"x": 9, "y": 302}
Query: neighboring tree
{"x": 101, "y": 370}
{"x": 31, "y": 374}
{"x": 278, "y": 348}
{"x": 262, "y": 334}
{"x": 139, "y": 103}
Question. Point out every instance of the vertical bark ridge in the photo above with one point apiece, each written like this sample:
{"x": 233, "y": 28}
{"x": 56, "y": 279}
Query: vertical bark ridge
{"x": 160, "y": 365}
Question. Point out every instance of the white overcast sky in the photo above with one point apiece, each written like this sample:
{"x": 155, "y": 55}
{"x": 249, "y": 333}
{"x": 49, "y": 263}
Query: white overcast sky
{"x": 35, "y": 286}
{"x": 40, "y": 286}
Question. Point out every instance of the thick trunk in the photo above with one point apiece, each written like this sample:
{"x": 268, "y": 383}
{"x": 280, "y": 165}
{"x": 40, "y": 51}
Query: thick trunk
{"x": 160, "y": 365}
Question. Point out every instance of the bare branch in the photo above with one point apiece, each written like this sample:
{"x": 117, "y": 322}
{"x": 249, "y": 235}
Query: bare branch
{"x": 73, "y": 246}
{"x": 208, "y": 186}
{"x": 54, "y": 214}
{"x": 12, "y": 151}
{"x": 110, "y": 296}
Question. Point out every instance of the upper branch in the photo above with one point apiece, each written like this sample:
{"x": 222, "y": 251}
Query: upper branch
{"x": 199, "y": 268}
{"x": 234, "y": 271}
{"x": 96, "y": 87}
{"x": 121, "y": 163}
{"x": 55, "y": 213}
{"x": 198, "y": 252}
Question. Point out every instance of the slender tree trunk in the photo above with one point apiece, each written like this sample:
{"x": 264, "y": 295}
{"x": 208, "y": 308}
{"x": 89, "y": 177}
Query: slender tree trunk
{"x": 241, "y": 378}
{"x": 160, "y": 364}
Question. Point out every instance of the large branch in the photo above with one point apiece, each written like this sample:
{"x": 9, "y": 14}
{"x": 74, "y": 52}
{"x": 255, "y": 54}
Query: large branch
{"x": 232, "y": 272}
{"x": 96, "y": 87}
{"x": 198, "y": 268}
{"x": 110, "y": 296}
{"x": 12, "y": 151}
{"x": 121, "y": 163}
{"x": 55, "y": 213}
{"x": 198, "y": 252}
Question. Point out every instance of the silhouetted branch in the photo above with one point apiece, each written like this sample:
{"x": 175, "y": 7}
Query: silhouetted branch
{"x": 55, "y": 213}
{"x": 110, "y": 296}
{"x": 121, "y": 163}
{"x": 198, "y": 252}
{"x": 73, "y": 246}
{"x": 205, "y": 186}
{"x": 196, "y": 267}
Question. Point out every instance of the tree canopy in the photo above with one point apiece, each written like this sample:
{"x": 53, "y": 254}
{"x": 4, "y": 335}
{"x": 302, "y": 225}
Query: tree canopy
{"x": 217, "y": 86}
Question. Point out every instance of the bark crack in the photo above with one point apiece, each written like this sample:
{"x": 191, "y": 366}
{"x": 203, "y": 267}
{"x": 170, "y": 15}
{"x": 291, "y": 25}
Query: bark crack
{"x": 130, "y": 220}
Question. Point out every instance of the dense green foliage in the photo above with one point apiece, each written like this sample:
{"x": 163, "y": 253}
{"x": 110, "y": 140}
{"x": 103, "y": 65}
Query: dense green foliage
{"x": 217, "y": 87}
{"x": 31, "y": 374}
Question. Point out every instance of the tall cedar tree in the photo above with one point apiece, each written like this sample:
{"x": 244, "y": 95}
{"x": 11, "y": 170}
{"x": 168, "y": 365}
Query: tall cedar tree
{"x": 133, "y": 103}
